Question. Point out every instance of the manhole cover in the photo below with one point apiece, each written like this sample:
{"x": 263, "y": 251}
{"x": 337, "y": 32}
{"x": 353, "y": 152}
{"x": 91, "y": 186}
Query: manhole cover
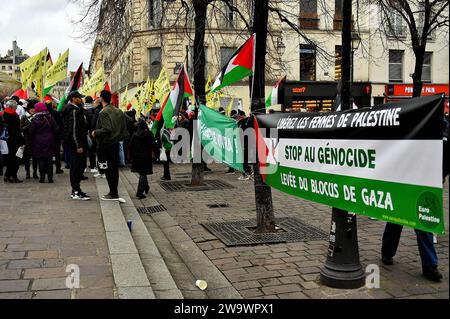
{"x": 222, "y": 205}
{"x": 185, "y": 186}
{"x": 238, "y": 233}
{"x": 151, "y": 210}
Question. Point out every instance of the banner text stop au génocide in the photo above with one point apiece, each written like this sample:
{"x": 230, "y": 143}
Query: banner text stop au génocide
{"x": 384, "y": 162}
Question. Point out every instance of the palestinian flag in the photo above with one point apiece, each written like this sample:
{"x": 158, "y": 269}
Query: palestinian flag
{"x": 159, "y": 120}
{"x": 172, "y": 104}
{"x": 241, "y": 65}
{"x": 21, "y": 94}
{"x": 73, "y": 86}
{"x": 274, "y": 96}
{"x": 181, "y": 89}
{"x": 107, "y": 87}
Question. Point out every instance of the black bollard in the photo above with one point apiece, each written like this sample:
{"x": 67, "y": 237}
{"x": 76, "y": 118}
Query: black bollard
{"x": 342, "y": 268}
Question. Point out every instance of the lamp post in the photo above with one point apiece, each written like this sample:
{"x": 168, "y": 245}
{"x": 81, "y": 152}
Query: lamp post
{"x": 342, "y": 269}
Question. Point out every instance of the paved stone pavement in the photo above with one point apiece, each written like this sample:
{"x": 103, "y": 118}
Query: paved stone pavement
{"x": 291, "y": 270}
{"x": 41, "y": 232}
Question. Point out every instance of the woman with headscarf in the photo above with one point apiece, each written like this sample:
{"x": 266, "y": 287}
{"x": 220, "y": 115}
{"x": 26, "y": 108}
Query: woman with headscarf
{"x": 43, "y": 132}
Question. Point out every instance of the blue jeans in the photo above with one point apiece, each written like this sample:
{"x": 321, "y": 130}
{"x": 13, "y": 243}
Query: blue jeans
{"x": 391, "y": 239}
{"x": 121, "y": 154}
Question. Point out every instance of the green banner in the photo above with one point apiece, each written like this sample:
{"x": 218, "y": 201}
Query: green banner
{"x": 384, "y": 162}
{"x": 220, "y": 137}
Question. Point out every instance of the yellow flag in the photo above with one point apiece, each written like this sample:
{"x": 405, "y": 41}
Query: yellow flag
{"x": 58, "y": 71}
{"x": 32, "y": 69}
{"x": 136, "y": 99}
{"x": 230, "y": 107}
{"x": 123, "y": 104}
{"x": 162, "y": 85}
{"x": 208, "y": 84}
{"x": 95, "y": 84}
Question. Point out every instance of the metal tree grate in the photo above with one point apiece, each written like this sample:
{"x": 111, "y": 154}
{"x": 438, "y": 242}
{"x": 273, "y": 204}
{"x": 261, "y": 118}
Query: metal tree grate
{"x": 151, "y": 210}
{"x": 238, "y": 233}
{"x": 185, "y": 186}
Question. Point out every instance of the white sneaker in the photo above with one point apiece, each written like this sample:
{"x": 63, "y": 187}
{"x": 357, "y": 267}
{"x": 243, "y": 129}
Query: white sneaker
{"x": 94, "y": 170}
{"x": 98, "y": 175}
{"x": 244, "y": 178}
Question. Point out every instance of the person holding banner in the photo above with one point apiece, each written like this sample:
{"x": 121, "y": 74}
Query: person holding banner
{"x": 428, "y": 255}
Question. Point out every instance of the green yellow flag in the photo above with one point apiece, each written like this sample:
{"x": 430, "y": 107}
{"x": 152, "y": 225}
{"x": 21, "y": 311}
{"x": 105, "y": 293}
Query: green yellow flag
{"x": 230, "y": 107}
{"x": 162, "y": 85}
{"x": 33, "y": 68}
{"x": 58, "y": 71}
{"x": 124, "y": 102}
{"x": 95, "y": 84}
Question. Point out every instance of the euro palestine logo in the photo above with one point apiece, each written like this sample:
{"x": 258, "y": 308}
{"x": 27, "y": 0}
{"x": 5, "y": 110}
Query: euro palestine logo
{"x": 427, "y": 209}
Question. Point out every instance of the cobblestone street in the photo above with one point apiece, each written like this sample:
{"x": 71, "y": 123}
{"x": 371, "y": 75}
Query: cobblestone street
{"x": 42, "y": 231}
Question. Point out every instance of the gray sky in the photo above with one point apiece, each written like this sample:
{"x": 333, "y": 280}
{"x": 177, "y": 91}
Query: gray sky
{"x": 39, "y": 24}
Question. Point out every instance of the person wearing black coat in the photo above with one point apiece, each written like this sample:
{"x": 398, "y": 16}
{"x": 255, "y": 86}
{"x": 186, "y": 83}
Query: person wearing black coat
{"x": 25, "y": 124}
{"x": 15, "y": 141}
{"x": 75, "y": 137}
{"x": 59, "y": 137}
{"x": 141, "y": 148}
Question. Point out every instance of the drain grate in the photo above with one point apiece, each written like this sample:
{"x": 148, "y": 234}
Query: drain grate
{"x": 151, "y": 210}
{"x": 185, "y": 186}
{"x": 237, "y": 233}
{"x": 222, "y": 205}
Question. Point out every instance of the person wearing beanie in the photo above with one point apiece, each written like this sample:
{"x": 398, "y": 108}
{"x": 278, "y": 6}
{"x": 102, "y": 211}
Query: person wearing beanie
{"x": 43, "y": 132}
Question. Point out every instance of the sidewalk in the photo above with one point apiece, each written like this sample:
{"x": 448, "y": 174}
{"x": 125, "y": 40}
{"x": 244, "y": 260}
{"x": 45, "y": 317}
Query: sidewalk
{"x": 42, "y": 231}
{"x": 291, "y": 270}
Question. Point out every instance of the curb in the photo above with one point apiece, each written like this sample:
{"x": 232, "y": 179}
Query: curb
{"x": 129, "y": 274}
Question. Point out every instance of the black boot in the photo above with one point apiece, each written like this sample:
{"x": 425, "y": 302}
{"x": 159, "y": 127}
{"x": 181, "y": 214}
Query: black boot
{"x": 141, "y": 196}
{"x": 432, "y": 273}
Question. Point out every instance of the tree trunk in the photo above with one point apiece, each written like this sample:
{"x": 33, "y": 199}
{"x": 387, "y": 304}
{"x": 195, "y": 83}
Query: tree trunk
{"x": 419, "y": 53}
{"x": 200, "y": 8}
{"x": 347, "y": 68}
{"x": 263, "y": 193}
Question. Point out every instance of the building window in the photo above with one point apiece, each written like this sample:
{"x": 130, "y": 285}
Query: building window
{"x": 338, "y": 7}
{"x": 426, "y": 69}
{"x": 10, "y": 67}
{"x": 308, "y": 14}
{"x": 396, "y": 66}
{"x": 307, "y": 62}
{"x": 225, "y": 55}
{"x": 191, "y": 62}
{"x": 395, "y": 26}
{"x": 337, "y": 62}
{"x": 154, "y": 13}
{"x": 154, "y": 63}
{"x": 3, "y": 67}
{"x": 228, "y": 18}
